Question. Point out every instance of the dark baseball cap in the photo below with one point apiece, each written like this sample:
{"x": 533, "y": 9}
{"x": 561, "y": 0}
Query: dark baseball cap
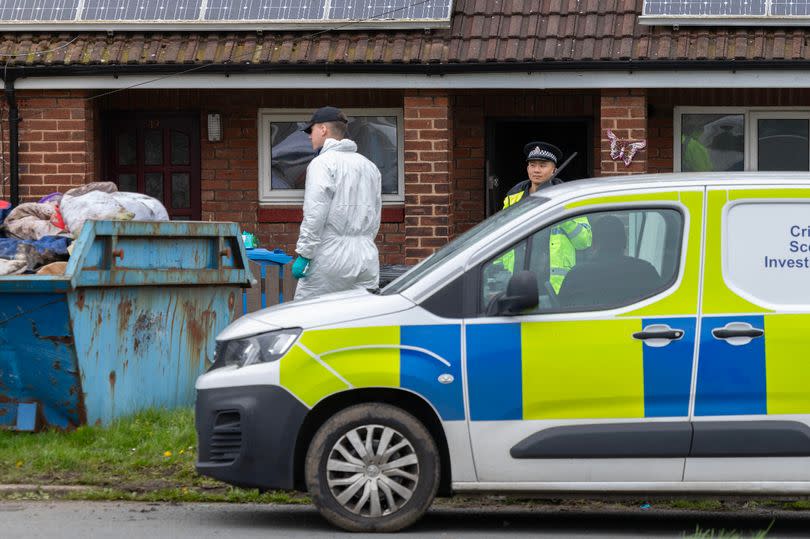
{"x": 323, "y": 115}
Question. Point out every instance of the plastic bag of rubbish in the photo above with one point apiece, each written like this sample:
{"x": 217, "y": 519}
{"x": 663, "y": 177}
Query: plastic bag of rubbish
{"x": 31, "y": 221}
{"x": 143, "y": 206}
{"x": 96, "y": 205}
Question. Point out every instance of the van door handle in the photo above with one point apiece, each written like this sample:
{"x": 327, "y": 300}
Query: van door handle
{"x": 737, "y": 333}
{"x": 657, "y": 335}
{"x": 671, "y": 335}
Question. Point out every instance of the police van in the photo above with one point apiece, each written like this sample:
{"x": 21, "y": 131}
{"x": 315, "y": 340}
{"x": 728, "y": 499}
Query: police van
{"x": 674, "y": 358}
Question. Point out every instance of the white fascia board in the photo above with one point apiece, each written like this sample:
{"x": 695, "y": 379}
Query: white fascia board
{"x": 745, "y": 78}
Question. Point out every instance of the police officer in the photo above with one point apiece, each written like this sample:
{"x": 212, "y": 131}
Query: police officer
{"x": 565, "y": 239}
{"x": 541, "y": 164}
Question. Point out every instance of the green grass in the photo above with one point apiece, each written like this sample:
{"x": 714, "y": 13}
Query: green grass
{"x": 147, "y": 457}
{"x": 724, "y": 534}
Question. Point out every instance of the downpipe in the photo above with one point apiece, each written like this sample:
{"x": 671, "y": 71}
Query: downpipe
{"x": 13, "y": 141}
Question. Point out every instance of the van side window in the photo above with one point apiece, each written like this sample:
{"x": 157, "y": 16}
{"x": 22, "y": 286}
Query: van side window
{"x": 631, "y": 255}
{"x": 770, "y": 242}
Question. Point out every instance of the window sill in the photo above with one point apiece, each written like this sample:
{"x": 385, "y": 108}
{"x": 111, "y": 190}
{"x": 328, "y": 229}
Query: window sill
{"x": 295, "y": 214}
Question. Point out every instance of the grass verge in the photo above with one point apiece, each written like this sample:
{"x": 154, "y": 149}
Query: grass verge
{"x": 147, "y": 457}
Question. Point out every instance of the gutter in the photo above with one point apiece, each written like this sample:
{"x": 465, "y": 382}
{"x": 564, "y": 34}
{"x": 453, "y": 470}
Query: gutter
{"x": 434, "y": 68}
{"x": 14, "y": 140}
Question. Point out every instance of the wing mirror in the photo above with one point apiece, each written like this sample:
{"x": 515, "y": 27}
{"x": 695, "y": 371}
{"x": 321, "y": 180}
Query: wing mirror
{"x": 521, "y": 294}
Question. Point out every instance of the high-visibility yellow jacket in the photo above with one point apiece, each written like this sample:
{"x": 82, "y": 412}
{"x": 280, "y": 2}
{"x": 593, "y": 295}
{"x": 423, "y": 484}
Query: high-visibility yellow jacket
{"x": 564, "y": 241}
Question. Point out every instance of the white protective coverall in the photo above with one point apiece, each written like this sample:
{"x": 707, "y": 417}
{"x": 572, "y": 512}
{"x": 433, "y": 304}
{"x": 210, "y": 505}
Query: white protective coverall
{"x": 342, "y": 205}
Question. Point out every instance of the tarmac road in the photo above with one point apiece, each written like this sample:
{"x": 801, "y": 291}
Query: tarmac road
{"x": 91, "y": 520}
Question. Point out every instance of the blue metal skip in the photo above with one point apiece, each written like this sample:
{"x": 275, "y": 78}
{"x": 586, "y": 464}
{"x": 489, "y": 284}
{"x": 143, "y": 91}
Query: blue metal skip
{"x": 129, "y": 326}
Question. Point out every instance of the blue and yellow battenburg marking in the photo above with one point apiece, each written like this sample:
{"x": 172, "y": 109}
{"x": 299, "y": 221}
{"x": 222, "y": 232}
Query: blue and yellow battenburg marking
{"x": 578, "y": 369}
{"x": 409, "y": 357}
{"x": 769, "y": 375}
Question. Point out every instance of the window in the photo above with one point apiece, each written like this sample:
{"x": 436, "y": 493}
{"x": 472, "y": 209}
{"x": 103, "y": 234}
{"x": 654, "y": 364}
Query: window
{"x": 770, "y": 242}
{"x": 460, "y": 243}
{"x": 633, "y": 255}
{"x": 285, "y": 151}
{"x": 729, "y": 139}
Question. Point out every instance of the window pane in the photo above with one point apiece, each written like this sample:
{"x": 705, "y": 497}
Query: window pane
{"x": 587, "y": 263}
{"x": 496, "y": 275}
{"x": 609, "y": 275}
{"x": 782, "y": 144}
{"x": 291, "y": 150}
{"x": 290, "y": 153}
{"x": 770, "y": 242}
{"x": 126, "y": 148}
{"x": 712, "y": 142}
{"x": 179, "y": 148}
{"x": 181, "y": 190}
{"x": 153, "y": 185}
{"x": 376, "y": 138}
{"x": 462, "y": 241}
{"x": 153, "y": 147}
{"x": 128, "y": 182}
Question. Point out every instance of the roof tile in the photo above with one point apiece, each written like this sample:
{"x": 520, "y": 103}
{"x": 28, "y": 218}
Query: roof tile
{"x": 481, "y": 31}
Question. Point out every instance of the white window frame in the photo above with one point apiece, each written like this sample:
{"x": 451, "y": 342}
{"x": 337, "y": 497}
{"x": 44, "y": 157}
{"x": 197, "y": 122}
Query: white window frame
{"x": 269, "y": 196}
{"x": 750, "y": 115}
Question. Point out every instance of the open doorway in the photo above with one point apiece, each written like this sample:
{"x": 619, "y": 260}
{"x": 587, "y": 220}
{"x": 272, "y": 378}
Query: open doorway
{"x": 506, "y": 163}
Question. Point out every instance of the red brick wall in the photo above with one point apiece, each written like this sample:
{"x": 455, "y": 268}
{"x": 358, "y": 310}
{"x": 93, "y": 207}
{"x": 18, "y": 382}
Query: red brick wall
{"x": 428, "y": 132}
{"x": 469, "y": 160}
{"x": 57, "y": 135}
{"x": 625, "y": 113}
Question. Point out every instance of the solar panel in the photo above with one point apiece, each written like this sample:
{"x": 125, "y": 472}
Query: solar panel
{"x": 389, "y": 9}
{"x": 38, "y": 10}
{"x": 782, "y": 8}
{"x": 141, "y": 10}
{"x": 705, "y": 7}
{"x": 143, "y": 14}
{"x": 252, "y": 10}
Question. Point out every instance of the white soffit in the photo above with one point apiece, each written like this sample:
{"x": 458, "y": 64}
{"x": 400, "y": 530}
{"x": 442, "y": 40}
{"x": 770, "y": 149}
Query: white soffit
{"x": 768, "y": 78}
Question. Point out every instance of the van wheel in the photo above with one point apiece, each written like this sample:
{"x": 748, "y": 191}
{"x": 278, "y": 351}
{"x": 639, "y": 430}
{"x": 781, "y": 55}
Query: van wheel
{"x": 372, "y": 468}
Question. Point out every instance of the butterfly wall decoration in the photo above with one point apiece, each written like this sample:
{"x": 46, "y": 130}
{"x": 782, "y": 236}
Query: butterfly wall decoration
{"x": 624, "y": 150}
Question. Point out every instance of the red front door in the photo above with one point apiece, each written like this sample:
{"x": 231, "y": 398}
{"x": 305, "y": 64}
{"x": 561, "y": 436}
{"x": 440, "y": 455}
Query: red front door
{"x": 157, "y": 154}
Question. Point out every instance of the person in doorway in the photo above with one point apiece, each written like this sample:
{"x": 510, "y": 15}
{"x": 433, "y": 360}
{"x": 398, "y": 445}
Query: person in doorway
{"x": 567, "y": 238}
{"x": 541, "y": 164}
{"x": 342, "y": 206}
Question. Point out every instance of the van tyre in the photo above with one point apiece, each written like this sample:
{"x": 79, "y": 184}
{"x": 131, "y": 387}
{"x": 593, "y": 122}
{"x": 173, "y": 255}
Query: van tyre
{"x": 372, "y": 468}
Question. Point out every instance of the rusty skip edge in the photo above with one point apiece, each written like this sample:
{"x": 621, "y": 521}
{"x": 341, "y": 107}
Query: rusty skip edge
{"x": 84, "y": 270}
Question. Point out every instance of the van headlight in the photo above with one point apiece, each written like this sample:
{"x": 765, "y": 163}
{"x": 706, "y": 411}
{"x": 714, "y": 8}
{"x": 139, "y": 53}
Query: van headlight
{"x": 262, "y": 348}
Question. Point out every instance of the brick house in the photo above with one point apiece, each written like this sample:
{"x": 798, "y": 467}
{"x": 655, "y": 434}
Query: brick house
{"x": 205, "y": 119}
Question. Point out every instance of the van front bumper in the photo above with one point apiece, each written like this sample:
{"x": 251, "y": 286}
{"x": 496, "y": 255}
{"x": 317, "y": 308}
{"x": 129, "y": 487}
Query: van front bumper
{"x": 246, "y": 435}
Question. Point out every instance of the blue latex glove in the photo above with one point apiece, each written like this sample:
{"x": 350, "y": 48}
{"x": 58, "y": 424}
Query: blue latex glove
{"x": 300, "y": 267}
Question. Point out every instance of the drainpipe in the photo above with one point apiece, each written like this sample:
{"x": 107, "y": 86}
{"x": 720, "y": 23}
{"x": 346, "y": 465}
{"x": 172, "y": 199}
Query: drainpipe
{"x": 13, "y": 142}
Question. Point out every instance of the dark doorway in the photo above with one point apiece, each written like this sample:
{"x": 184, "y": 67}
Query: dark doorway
{"x": 506, "y": 164}
{"x": 157, "y": 154}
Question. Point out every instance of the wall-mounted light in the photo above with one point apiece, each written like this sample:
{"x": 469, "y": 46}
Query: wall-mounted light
{"x": 214, "y": 127}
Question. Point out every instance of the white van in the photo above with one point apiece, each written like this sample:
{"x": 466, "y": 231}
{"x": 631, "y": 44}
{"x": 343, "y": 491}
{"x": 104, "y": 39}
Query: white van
{"x": 674, "y": 358}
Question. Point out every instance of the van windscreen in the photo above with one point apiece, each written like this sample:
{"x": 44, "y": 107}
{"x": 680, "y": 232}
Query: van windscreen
{"x": 461, "y": 242}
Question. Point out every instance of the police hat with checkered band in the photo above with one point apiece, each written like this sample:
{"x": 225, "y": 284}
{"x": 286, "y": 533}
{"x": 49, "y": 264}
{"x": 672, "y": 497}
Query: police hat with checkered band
{"x": 542, "y": 151}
